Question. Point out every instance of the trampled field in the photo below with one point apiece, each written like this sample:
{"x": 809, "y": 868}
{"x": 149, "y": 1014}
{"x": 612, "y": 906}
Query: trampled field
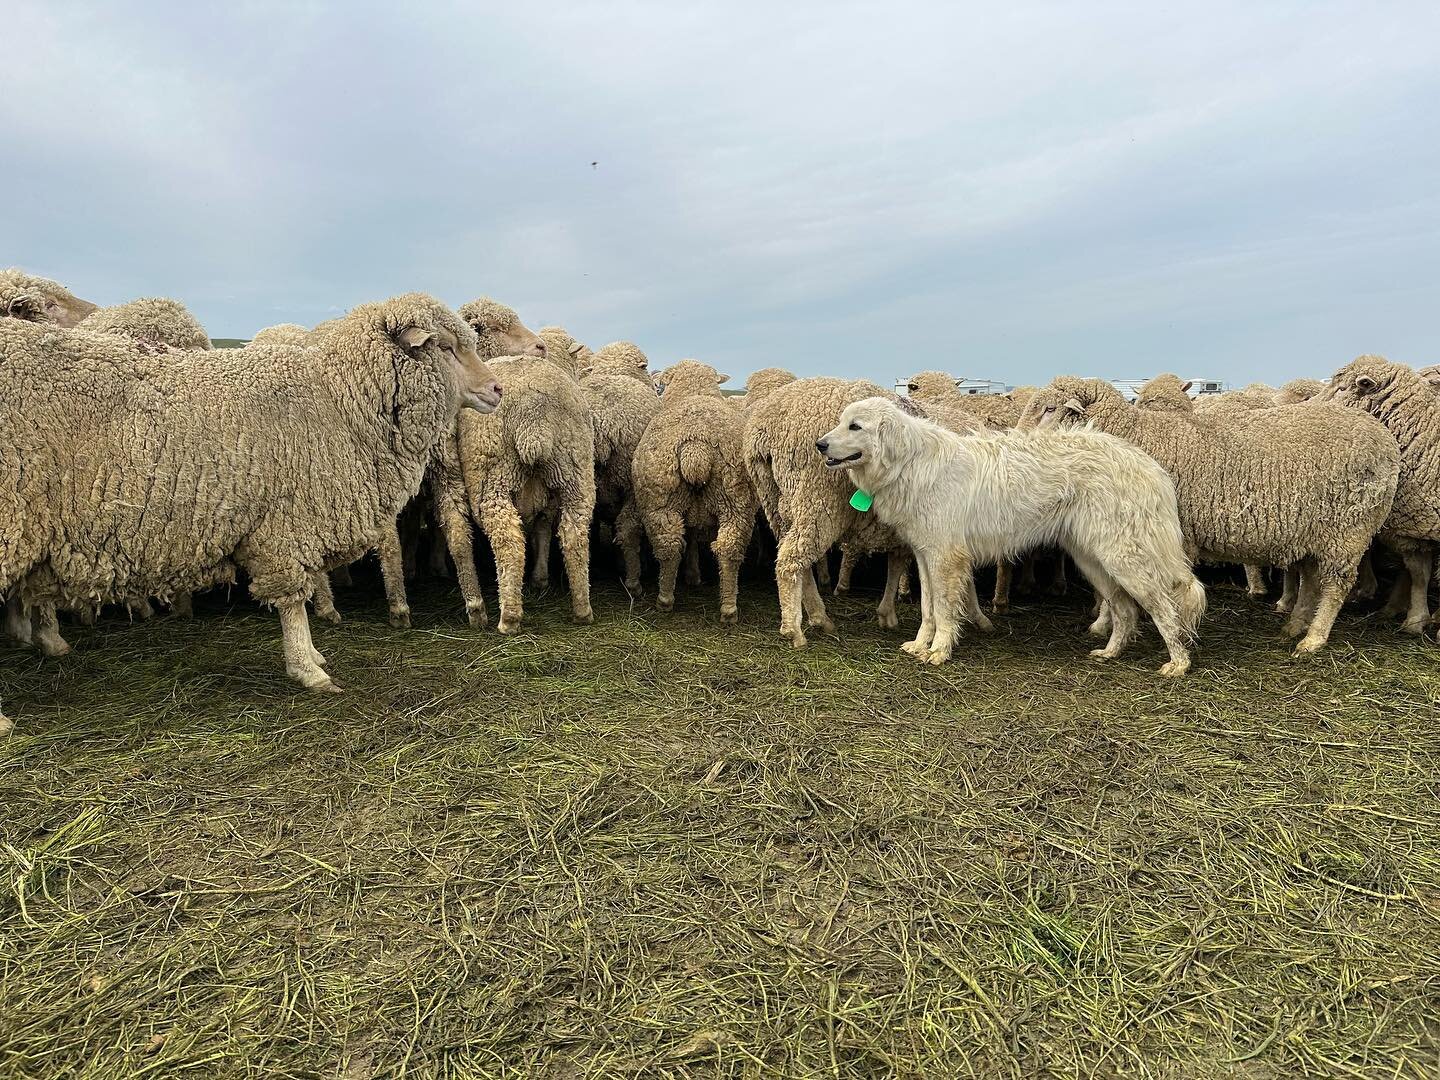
{"x": 654, "y": 846}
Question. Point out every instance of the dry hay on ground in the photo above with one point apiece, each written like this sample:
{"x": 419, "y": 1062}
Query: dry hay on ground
{"x": 655, "y": 846}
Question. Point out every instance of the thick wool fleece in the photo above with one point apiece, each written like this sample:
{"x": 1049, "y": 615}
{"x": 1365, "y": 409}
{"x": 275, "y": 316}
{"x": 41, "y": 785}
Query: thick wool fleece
{"x": 564, "y": 351}
{"x": 151, "y": 321}
{"x": 807, "y": 506}
{"x": 285, "y": 333}
{"x": 36, "y": 299}
{"x": 1267, "y": 486}
{"x": 622, "y": 407}
{"x": 622, "y": 357}
{"x": 996, "y": 411}
{"x": 1297, "y": 390}
{"x": 689, "y": 473}
{"x": 283, "y": 461}
{"x": 761, "y": 384}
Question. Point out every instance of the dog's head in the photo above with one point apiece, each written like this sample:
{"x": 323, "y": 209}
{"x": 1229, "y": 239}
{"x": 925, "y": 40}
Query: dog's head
{"x": 859, "y": 437}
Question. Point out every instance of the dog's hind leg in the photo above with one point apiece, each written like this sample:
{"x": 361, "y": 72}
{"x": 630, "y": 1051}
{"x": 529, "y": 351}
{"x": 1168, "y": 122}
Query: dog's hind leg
{"x": 1124, "y": 615}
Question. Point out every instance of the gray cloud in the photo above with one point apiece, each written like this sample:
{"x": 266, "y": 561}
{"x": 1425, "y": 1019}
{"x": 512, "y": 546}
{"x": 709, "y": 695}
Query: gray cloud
{"x": 1242, "y": 191}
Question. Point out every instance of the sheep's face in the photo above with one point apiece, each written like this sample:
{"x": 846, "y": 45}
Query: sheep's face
{"x": 1051, "y": 407}
{"x": 858, "y": 438}
{"x": 931, "y": 386}
{"x": 23, "y": 304}
{"x": 478, "y": 386}
{"x": 1363, "y": 380}
{"x": 500, "y": 331}
{"x": 45, "y": 301}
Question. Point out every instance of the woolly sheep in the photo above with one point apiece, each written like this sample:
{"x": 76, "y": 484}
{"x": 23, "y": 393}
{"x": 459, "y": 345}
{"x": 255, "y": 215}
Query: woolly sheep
{"x": 689, "y": 473}
{"x": 151, "y": 321}
{"x": 624, "y": 358}
{"x": 564, "y": 351}
{"x": 761, "y": 384}
{"x": 285, "y": 333}
{"x": 1402, "y": 399}
{"x": 622, "y": 407}
{"x": 1255, "y": 396}
{"x": 1304, "y": 484}
{"x": 532, "y": 459}
{"x": 808, "y": 507}
{"x": 284, "y": 462}
{"x": 36, "y": 299}
{"x": 1297, "y": 390}
{"x": 997, "y": 411}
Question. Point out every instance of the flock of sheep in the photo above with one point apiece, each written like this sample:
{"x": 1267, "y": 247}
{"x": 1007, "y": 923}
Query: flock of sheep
{"x": 140, "y": 464}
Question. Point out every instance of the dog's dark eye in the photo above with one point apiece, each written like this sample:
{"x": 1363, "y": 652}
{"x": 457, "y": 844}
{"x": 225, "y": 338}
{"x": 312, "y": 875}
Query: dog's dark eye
{"x": 854, "y": 427}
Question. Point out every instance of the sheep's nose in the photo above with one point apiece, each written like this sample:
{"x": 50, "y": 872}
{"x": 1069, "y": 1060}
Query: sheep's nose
{"x": 822, "y": 446}
{"x": 499, "y": 390}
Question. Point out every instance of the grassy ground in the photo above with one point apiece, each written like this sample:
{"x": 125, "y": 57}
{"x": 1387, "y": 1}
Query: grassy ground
{"x": 656, "y": 847}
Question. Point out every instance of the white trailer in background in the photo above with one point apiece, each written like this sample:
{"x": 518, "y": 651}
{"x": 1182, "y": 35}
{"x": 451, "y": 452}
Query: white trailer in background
{"x": 1198, "y": 387}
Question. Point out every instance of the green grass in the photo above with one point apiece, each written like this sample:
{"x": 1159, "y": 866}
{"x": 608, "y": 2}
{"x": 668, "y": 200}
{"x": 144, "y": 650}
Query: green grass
{"x": 656, "y": 847}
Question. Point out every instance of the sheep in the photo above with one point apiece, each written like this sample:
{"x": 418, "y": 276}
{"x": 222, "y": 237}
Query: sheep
{"x": 622, "y": 407}
{"x": 532, "y": 459}
{"x": 283, "y": 463}
{"x": 689, "y": 474}
{"x": 499, "y": 333}
{"x": 761, "y": 384}
{"x": 563, "y": 350}
{"x": 808, "y": 507}
{"x": 960, "y": 499}
{"x": 1403, "y": 400}
{"x": 1297, "y": 390}
{"x": 151, "y": 321}
{"x": 624, "y": 358}
{"x": 1255, "y": 396}
{"x": 1306, "y": 484}
{"x": 287, "y": 333}
{"x": 36, "y": 299}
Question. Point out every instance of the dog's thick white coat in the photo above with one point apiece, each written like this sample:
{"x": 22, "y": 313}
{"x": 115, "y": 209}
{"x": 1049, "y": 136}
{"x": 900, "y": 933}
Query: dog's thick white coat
{"x": 959, "y": 501}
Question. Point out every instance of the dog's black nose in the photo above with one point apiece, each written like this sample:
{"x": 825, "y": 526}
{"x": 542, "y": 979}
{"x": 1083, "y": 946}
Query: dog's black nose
{"x": 822, "y": 446}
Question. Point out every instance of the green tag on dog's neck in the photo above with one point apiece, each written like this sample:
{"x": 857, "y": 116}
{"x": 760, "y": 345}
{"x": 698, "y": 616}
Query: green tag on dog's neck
{"x": 862, "y": 500}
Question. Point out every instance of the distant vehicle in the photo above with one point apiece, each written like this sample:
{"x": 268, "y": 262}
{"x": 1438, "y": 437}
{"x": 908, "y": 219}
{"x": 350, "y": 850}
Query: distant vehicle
{"x": 1198, "y": 387}
{"x": 966, "y": 386}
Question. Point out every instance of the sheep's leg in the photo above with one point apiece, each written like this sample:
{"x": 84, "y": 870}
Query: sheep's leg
{"x": 575, "y": 550}
{"x": 341, "y": 576}
{"x": 903, "y": 589}
{"x": 1306, "y": 598}
{"x": 301, "y": 662}
{"x": 816, "y": 617}
{"x": 919, "y": 645}
{"x": 1365, "y": 583}
{"x": 1286, "y": 603}
{"x": 542, "y": 532}
{"x": 410, "y": 548}
{"x": 88, "y": 614}
{"x": 392, "y": 572}
{"x": 822, "y": 571}
{"x": 847, "y": 570}
{"x": 1332, "y": 584}
{"x": 439, "y": 567}
{"x": 1418, "y": 564}
{"x": 627, "y": 537}
{"x": 896, "y": 563}
{"x": 17, "y": 621}
{"x": 795, "y": 582}
{"x": 324, "y": 599}
{"x": 731, "y": 540}
{"x": 666, "y": 530}
{"x": 502, "y": 525}
{"x": 182, "y": 605}
{"x": 693, "y": 578}
{"x": 1397, "y": 603}
{"x": 1058, "y": 584}
{"x": 1024, "y": 582}
{"x": 1004, "y": 573}
{"x": 454, "y": 522}
{"x": 140, "y": 609}
{"x": 46, "y": 630}
{"x": 1255, "y": 581}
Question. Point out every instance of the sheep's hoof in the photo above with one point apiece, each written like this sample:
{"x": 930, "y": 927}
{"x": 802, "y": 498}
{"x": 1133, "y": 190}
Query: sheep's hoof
{"x": 400, "y": 620}
{"x": 540, "y": 584}
{"x": 1307, "y": 648}
{"x": 798, "y": 641}
{"x": 584, "y": 618}
{"x": 1058, "y": 590}
{"x": 1098, "y": 629}
{"x": 633, "y": 588}
{"x": 664, "y": 603}
{"x": 794, "y": 635}
{"x": 1175, "y": 668}
{"x": 6, "y": 726}
{"x": 1000, "y": 607}
{"x": 86, "y": 615}
{"x": 1284, "y": 607}
{"x": 1409, "y": 627}
{"x": 509, "y": 624}
{"x": 888, "y": 620}
{"x": 320, "y": 683}
{"x": 53, "y": 648}
{"x": 331, "y": 616}
{"x": 476, "y": 616}
{"x": 729, "y": 618}
{"x": 1292, "y": 630}
{"x": 824, "y": 625}
{"x": 841, "y": 590}
{"x": 984, "y": 625}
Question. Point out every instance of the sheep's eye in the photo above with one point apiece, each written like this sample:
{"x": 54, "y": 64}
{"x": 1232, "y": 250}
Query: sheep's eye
{"x": 854, "y": 426}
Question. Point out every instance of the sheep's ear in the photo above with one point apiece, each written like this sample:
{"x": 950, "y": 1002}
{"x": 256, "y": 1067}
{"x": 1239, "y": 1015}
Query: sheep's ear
{"x": 412, "y": 337}
{"x": 1188, "y": 383}
{"x": 721, "y": 378}
{"x": 1433, "y": 378}
{"x": 1364, "y": 383}
{"x": 1073, "y": 405}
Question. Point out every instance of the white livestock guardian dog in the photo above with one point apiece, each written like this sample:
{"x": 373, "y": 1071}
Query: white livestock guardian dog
{"x": 959, "y": 500}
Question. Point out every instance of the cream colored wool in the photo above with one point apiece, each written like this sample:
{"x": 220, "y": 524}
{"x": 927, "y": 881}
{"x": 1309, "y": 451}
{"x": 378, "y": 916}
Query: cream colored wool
{"x": 689, "y": 473}
{"x": 283, "y": 461}
{"x": 287, "y": 333}
{"x": 622, "y": 406}
{"x": 531, "y": 465}
{"x": 564, "y": 351}
{"x": 151, "y": 321}
{"x": 36, "y": 299}
{"x": 959, "y": 500}
{"x": 1306, "y": 484}
{"x": 1297, "y": 390}
{"x": 1254, "y": 396}
{"x": 807, "y": 507}
{"x": 997, "y": 411}
{"x": 761, "y": 384}
{"x": 1404, "y": 401}
{"x": 624, "y": 358}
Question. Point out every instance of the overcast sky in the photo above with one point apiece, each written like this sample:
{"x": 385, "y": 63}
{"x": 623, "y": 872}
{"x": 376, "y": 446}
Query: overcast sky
{"x": 1007, "y": 191}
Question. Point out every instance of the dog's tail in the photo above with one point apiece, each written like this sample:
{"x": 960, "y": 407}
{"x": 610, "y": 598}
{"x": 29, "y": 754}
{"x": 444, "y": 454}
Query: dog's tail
{"x": 696, "y": 459}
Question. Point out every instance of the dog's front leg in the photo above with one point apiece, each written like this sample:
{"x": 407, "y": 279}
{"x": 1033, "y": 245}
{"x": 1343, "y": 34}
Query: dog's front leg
{"x": 954, "y": 582}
